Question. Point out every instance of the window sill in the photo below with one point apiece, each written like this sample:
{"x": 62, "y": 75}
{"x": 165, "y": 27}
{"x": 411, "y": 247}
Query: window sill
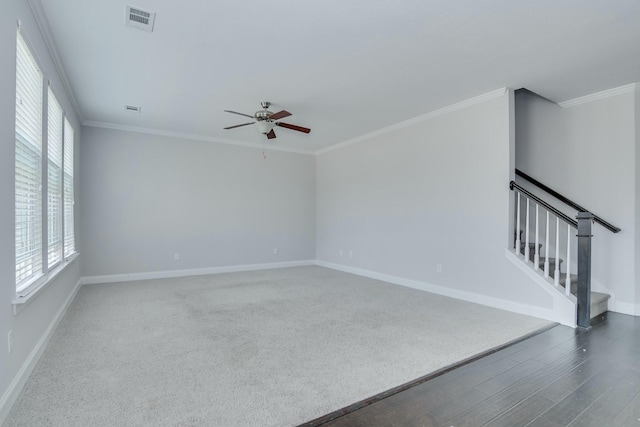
{"x": 20, "y": 301}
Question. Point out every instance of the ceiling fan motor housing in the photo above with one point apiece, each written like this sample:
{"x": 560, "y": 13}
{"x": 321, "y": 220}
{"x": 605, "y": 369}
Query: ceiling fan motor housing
{"x": 263, "y": 115}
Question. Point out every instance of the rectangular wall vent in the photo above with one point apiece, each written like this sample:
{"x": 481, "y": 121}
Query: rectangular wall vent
{"x": 139, "y": 18}
{"x": 132, "y": 108}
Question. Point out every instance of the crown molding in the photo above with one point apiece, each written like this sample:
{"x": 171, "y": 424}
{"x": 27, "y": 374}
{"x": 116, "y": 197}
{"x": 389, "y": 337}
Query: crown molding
{"x": 193, "y": 137}
{"x": 43, "y": 26}
{"x": 428, "y": 116}
{"x": 600, "y": 95}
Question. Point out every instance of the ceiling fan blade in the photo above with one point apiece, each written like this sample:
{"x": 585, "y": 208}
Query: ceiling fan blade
{"x": 271, "y": 134}
{"x": 237, "y": 126}
{"x": 241, "y": 114}
{"x": 293, "y": 127}
{"x": 280, "y": 115}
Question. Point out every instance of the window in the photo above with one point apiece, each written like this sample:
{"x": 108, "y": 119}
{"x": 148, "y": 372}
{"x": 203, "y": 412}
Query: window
{"x": 69, "y": 201}
{"x": 29, "y": 84}
{"x": 54, "y": 181}
{"x": 43, "y": 177}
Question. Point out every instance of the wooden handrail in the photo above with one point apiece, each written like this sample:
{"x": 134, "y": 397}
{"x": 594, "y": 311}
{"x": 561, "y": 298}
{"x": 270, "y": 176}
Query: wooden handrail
{"x": 567, "y": 201}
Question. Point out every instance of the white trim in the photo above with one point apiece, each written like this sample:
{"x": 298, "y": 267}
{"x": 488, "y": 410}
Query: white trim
{"x": 625, "y": 308}
{"x": 112, "y": 278}
{"x": 27, "y": 295}
{"x": 600, "y": 95}
{"x": 502, "y": 304}
{"x": 193, "y": 137}
{"x": 15, "y": 387}
{"x": 445, "y": 110}
{"x": 43, "y": 25}
{"x": 547, "y": 285}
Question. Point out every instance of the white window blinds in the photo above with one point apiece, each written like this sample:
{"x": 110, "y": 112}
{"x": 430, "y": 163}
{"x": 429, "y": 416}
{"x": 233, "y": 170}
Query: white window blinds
{"x": 28, "y": 204}
{"x": 54, "y": 181}
{"x": 69, "y": 201}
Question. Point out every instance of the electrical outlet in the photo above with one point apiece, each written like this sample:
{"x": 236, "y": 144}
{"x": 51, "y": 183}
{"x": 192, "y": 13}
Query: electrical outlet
{"x": 176, "y": 256}
{"x": 439, "y": 268}
{"x": 341, "y": 252}
{"x": 275, "y": 251}
{"x": 10, "y": 341}
{"x": 350, "y": 254}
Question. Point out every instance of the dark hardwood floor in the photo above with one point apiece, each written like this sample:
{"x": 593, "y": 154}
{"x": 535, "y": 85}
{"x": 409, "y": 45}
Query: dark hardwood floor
{"x": 561, "y": 377}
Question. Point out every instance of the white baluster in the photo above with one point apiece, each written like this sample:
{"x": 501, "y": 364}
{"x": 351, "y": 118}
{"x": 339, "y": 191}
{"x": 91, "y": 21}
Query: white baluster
{"x": 536, "y": 250}
{"x": 567, "y": 283}
{"x": 556, "y": 273}
{"x": 546, "y": 250}
{"x": 526, "y": 235}
{"x": 518, "y": 242}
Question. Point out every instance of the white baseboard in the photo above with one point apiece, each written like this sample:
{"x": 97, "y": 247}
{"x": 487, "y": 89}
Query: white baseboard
{"x": 112, "y": 278}
{"x": 448, "y": 292}
{"x": 13, "y": 391}
{"x": 626, "y": 308}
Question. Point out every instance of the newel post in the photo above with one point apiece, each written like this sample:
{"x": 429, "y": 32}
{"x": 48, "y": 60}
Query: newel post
{"x": 584, "y": 269}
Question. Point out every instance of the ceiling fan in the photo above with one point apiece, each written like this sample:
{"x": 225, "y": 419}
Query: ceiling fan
{"x": 266, "y": 120}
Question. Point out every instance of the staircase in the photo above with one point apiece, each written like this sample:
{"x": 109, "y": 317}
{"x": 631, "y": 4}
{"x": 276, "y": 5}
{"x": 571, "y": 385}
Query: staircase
{"x": 598, "y": 299}
{"x": 537, "y": 221}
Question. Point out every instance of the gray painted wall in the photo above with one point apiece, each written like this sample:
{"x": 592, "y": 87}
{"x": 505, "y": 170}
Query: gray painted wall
{"x": 435, "y": 192}
{"x": 31, "y": 323}
{"x": 148, "y": 197}
{"x": 588, "y": 153}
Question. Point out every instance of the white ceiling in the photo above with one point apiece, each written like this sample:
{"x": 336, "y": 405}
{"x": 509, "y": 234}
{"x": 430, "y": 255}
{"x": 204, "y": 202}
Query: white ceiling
{"x": 343, "y": 68}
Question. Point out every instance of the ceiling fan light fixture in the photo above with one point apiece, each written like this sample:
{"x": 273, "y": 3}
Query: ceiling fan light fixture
{"x": 266, "y": 121}
{"x": 265, "y": 126}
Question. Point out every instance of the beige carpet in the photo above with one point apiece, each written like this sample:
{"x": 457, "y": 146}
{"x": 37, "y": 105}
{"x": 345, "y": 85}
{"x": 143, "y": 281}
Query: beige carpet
{"x": 264, "y": 348}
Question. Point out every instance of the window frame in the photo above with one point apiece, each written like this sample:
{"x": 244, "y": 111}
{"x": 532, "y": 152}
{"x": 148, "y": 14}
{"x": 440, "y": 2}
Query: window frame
{"x": 54, "y": 201}
{"x": 68, "y": 189}
{"x": 47, "y": 268}
{"x": 28, "y": 164}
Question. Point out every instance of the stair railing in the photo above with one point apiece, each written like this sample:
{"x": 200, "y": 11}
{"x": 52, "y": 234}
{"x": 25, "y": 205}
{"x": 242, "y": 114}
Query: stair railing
{"x": 581, "y": 228}
{"x": 583, "y": 225}
{"x": 566, "y": 201}
{"x": 524, "y": 202}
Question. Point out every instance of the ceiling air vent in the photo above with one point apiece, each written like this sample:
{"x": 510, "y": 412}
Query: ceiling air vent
{"x": 139, "y": 18}
{"x": 132, "y": 108}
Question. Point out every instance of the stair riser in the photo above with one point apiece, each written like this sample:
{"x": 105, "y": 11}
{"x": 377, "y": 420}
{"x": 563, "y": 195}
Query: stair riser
{"x": 598, "y": 308}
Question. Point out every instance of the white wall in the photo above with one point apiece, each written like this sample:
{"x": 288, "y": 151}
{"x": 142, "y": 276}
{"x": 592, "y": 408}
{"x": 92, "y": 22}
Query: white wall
{"x": 587, "y": 152}
{"x": 147, "y": 197}
{"x": 637, "y": 206}
{"x": 30, "y": 324}
{"x": 435, "y": 192}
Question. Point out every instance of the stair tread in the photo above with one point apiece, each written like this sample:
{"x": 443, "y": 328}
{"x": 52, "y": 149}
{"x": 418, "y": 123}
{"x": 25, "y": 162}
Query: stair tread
{"x": 532, "y": 255}
{"x": 531, "y": 244}
{"x": 598, "y": 297}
